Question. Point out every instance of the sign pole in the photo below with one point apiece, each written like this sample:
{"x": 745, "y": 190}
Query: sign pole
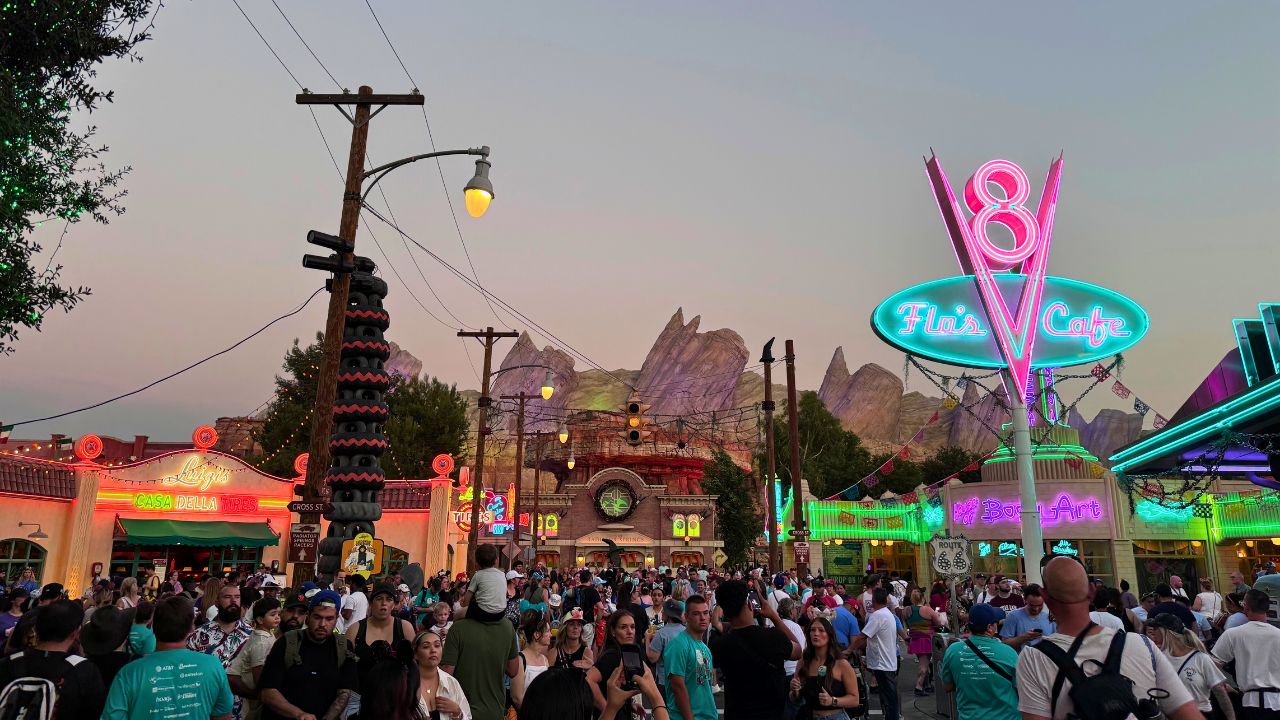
{"x": 1032, "y": 533}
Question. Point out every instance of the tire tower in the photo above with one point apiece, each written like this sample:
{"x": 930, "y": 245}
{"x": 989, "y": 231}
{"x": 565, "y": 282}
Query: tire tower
{"x": 355, "y": 477}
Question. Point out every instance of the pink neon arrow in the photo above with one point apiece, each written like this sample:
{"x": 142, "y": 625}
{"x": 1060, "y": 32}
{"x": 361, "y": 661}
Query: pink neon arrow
{"x": 977, "y": 255}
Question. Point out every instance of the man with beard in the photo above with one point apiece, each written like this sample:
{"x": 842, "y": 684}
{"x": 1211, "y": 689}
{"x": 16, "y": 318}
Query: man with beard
{"x": 293, "y": 614}
{"x": 310, "y": 673}
{"x": 224, "y": 635}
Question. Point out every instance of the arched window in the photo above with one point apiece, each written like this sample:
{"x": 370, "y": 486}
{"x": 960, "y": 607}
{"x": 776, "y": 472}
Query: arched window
{"x": 17, "y": 554}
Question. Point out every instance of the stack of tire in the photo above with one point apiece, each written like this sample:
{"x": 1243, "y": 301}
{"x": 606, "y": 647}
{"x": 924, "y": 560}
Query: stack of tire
{"x": 355, "y": 477}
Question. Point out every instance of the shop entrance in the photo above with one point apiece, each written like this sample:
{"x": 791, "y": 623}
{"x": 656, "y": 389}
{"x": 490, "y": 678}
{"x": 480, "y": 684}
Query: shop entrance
{"x": 1158, "y": 560}
{"x": 130, "y": 560}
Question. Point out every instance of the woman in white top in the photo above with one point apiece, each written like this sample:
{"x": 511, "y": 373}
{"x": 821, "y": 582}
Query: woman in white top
{"x": 439, "y": 695}
{"x": 128, "y": 594}
{"x": 1195, "y": 668}
{"x": 1208, "y": 601}
{"x": 536, "y": 638}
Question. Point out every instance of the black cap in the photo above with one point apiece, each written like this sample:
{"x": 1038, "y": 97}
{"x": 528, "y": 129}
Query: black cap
{"x": 52, "y": 591}
{"x": 384, "y": 589}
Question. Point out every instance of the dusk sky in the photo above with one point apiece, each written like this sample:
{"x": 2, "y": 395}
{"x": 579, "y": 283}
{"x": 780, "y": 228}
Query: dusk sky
{"x": 758, "y": 164}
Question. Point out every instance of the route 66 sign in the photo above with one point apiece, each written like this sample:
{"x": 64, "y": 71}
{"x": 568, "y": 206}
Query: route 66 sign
{"x": 951, "y": 555}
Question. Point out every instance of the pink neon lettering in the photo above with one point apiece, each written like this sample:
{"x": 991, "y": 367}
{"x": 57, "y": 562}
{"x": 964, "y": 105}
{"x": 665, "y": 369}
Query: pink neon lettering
{"x": 1008, "y": 212}
{"x": 1093, "y": 327}
{"x": 1064, "y": 508}
{"x": 937, "y": 323}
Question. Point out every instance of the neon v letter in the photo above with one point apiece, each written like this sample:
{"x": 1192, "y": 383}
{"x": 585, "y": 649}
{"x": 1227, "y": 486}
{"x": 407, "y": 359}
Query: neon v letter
{"x": 978, "y": 256}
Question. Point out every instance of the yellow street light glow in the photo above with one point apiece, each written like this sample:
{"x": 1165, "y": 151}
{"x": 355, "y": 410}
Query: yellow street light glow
{"x": 875, "y": 543}
{"x": 571, "y": 462}
{"x": 547, "y": 388}
{"x": 479, "y": 191}
{"x": 564, "y": 434}
{"x": 888, "y": 543}
{"x": 839, "y": 541}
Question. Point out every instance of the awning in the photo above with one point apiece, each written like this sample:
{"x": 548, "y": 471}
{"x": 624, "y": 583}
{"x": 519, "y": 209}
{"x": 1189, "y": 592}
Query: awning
{"x": 203, "y": 534}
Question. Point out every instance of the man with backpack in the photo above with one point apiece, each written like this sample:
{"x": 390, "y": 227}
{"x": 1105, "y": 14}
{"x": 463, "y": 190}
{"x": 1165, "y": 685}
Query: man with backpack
{"x": 48, "y": 679}
{"x": 310, "y": 673}
{"x": 1090, "y": 672}
{"x": 173, "y": 681}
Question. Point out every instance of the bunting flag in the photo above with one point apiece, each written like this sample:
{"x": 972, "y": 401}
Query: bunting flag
{"x": 887, "y": 467}
{"x": 935, "y": 501}
{"x": 905, "y": 453}
{"x": 1160, "y": 421}
{"x": 1100, "y": 372}
{"x": 894, "y": 523}
{"x": 1120, "y": 390}
{"x": 1074, "y": 463}
{"x": 910, "y": 498}
{"x": 932, "y": 492}
{"x": 933, "y": 418}
{"x": 971, "y": 466}
{"x": 889, "y": 501}
{"x": 962, "y": 383}
{"x": 918, "y": 437}
{"x": 6, "y": 429}
{"x": 872, "y": 480}
{"x": 949, "y": 403}
{"x": 871, "y": 523}
{"x": 1140, "y": 407}
{"x": 1203, "y": 511}
{"x": 868, "y": 504}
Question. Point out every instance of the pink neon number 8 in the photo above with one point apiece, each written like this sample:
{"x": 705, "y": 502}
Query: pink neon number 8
{"x": 1007, "y": 211}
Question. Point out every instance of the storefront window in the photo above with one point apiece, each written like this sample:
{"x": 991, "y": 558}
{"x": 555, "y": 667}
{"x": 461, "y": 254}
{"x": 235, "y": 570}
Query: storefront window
{"x": 1158, "y": 560}
{"x": 1095, "y": 554}
{"x": 129, "y": 560}
{"x": 16, "y": 555}
{"x": 550, "y": 559}
{"x": 884, "y": 558}
{"x": 242, "y": 560}
{"x": 393, "y": 559}
{"x": 997, "y": 557}
{"x": 1251, "y": 554}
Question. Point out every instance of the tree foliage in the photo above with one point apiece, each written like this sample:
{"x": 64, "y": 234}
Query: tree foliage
{"x": 50, "y": 171}
{"x": 738, "y": 521}
{"x": 427, "y": 418}
{"x": 831, "y": 458}
{"x": 909, "y": 473}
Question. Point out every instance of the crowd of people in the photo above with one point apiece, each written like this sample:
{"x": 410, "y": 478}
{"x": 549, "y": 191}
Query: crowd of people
{"x": 535, "y": 643}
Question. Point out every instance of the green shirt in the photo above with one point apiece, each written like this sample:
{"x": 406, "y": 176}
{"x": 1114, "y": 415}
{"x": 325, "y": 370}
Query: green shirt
{"x": 980, "y": 692}
{"x": 478, "y": 652}
{"x": 690, "y": 658}
{"x": 171, "y": 684}
{"x": 141, "y": 641}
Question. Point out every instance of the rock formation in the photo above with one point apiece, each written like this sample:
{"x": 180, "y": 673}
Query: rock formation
{"x": 1109, "y": 430}
{"x": 539, "y": 414}
{"x": 403, "y": 363}
{"x": 866, "y": 402}
{"x": 688, "y": 371}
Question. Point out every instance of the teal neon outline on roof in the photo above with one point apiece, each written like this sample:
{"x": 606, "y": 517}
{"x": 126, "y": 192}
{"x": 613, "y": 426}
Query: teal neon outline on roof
{"x": 1245, "y": 347}
{"x": 1249, "y": 404}
{"x": 1270, "y": 314}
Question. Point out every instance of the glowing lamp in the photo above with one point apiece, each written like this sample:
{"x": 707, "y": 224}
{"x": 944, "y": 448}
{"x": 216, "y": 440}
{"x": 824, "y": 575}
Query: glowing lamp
{"x": 826, "y": 542}
{"x": 1248, "y": 543}
{"x": 1275, "y": 541}
{"x": 564, "y": 433}
{"x": 571, "y": 462}
{"x": 839, "y": 541}
{"x": 479, "y": 191}
{"x": 888, "y": 543}
{"x": 633, "y": 421}
{"x": 547, "y": 388}
{"x": 1195, "y": 543}
{"x": 875, "y": 543}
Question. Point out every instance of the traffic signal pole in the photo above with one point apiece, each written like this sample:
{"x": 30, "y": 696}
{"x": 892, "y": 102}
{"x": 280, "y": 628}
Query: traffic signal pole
{"x": 339, "y": 289}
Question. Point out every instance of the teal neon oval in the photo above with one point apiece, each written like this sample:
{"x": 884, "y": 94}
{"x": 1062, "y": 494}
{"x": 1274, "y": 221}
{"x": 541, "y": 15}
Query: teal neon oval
{"x": 944, "y": 320}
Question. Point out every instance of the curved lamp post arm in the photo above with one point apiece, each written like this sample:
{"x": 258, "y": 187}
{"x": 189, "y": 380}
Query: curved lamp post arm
{"x": 383, "y": 170}
{"x": 496, "y": 373}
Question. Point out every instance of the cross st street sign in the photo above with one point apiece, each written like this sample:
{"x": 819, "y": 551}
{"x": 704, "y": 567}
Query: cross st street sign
{"x": 300, "y": 506}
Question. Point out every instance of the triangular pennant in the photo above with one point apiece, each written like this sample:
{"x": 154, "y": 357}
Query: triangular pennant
{"x": 918, "y": 437}
{"x": 887, "y": 467}
{"x": 1100, "y": 372}
{"x": 972, "y": 466}
{"x": 6, "y": 429}
{"x": 933, "y": 418}
{"x": 1074, "y": 463}
{"x": 910, "y": 498}
{"x": 872, "y": 480}
{"x": 904, "y": 453}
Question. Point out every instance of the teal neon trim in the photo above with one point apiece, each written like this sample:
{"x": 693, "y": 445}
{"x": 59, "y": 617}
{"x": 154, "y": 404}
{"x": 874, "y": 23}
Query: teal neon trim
{"x": 1045, "y": 452}
{"x": 1270, "y": 314}
{"x": 1249, "y": 404}
{"x": 1154, "y": 512}
{"x": 1247, "y": 360}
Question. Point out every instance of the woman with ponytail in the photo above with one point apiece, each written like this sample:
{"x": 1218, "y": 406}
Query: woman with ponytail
{"x": 825, "y": 683}
{"x": 1196, "y": 669}
{"x": 389, "y": 691}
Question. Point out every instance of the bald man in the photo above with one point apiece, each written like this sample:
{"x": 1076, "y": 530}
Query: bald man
{"x": 1066, "y": 592}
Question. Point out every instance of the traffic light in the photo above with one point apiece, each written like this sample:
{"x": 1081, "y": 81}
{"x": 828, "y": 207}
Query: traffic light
{"x": 333, "y": 263}
{"x": 634, "y": 429}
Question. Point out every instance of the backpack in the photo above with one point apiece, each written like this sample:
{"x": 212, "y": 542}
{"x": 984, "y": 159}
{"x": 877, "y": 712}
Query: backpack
{"x": 32, "y": 698}
{"x": 1105, "y": 696}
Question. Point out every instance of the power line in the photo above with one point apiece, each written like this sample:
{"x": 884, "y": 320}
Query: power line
{"x": 172, "y": 375}
{"x": 264, "y": 42}
{"x": 308, "y": 47}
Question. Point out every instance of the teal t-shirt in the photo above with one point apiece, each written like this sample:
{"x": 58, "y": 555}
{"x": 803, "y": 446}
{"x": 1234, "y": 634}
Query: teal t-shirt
{"x": 171, "y": 684}
{"x": 980, "y": 692}
{"x": 690, "y": 658}
{"x": 141, "y": 641}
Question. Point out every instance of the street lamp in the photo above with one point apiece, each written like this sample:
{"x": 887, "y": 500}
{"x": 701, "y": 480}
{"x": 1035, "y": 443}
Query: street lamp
{"x": 479, "y": 192}
{"x": 564, "y": 433}
{"x": 547, "y": 388}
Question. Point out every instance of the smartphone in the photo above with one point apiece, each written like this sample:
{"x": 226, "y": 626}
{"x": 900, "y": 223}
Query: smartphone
{"x": 632, "y": 665}
{"x": 754, "y": 598}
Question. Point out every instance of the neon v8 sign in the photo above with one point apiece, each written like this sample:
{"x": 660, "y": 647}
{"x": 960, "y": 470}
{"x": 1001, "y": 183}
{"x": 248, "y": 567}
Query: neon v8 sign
{"x": 1019, "y": 303}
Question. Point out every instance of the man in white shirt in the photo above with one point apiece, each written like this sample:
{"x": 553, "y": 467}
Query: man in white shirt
{"x": 880, "y": 637}
{"x": 355, "y": 605}
{"x": 1066, "y": 589}
{"x": 869, "y": 585}
{"x": 1255, "y": 646}
{"x": 787, "y": 610}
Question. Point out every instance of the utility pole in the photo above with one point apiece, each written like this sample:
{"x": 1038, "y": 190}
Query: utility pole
{"x": 521, "y": 398}
{"x": 537, "y": 497}
{"x": 339, "y": 287}
{"x": 771, "y": 500}
{"x": 477, "y": 481}
{"x": 799, "y": 530}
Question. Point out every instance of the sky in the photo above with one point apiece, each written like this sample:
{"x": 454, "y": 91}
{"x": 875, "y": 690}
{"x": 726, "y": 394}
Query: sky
{"x": 758, "y": 164}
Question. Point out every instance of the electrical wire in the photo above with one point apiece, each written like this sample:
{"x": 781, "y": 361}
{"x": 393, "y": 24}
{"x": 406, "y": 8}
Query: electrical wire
{"x": 264, "y": 42}
{"x": 305, "y": 45}
{"x": 172, "y": 375}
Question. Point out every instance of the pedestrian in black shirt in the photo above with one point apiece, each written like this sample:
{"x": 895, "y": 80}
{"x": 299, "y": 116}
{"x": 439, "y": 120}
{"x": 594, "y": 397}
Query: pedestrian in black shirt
{"x": 105, "y": 640}
{"x": 310, "y": 672}
{"x": 80, "y": 691}
{"x": 752, "y": 656}
{"x": 1166, "y": 604}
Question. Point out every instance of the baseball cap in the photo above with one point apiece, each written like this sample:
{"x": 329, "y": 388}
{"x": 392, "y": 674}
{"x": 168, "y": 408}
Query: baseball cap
{"x": 512, "y": 574}
{"x": 270, "y": 582}
{"x": 325, "y": 597}
{"x": 1167, "y": 621}
{"x": 555, "y": 600}
{"x": 672, "y": 609}
{"x": 308, "y": 586}
{"x": 779, "y": 581}
{"x": 296, "y": 601}
{"x": 982, "y": 615}
{"x": 52, "y": 591}
{"x": 403, "y": 588}
{"x": 383, "y": 589}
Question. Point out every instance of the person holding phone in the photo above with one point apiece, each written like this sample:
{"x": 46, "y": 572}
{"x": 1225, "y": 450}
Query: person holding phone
{"x": 752, "y": 657}
{"x": 1029, "y": 622}
{"x": 620, "y": 634}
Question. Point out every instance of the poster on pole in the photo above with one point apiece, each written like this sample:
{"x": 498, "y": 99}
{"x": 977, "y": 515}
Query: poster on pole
{"x": 951, "y": 556}
{"x": 362, "y": 555}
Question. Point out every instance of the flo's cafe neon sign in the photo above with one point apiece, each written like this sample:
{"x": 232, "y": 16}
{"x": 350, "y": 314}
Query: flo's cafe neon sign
{"x": 1005, "y": 311}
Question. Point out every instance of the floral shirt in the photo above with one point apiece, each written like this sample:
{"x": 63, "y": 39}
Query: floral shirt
{"x": 211, "y": 639}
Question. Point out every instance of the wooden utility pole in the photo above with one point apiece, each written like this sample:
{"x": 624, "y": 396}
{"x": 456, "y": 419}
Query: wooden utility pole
{"x": 771, "y": 500}
{"x": 521, "y": 398}
{"x": 477, "y": 479}
{"x": 339, "y": 288}
{"x": 537, "y": 497}
{"x": 798, "y": 529}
